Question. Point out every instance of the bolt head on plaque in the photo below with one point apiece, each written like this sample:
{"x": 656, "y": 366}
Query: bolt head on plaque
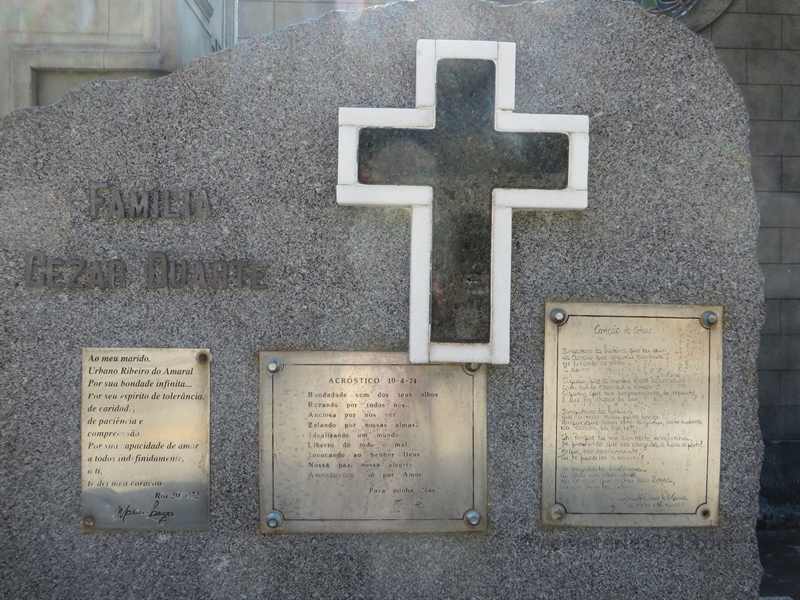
{"x": 203, "y": 358}
{"x": 708, "y": 319}
{"x": 274, "y": 366}
{"x": 88, "y": 522}
{"x": 472, "y": 367}
{"x": 472, "y": 517}
{"x": 556, "y": 512}
{"x": 558, "y": 316}
{"x": 274, "y": 520}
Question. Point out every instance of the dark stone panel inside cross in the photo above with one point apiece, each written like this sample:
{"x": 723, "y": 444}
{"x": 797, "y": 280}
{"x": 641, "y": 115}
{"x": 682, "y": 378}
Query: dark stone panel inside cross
{"x": 463, "y": 159}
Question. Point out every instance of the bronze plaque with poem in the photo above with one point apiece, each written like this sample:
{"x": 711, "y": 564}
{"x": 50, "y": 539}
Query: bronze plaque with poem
{"x": 145, "y": 439}
{"x": 366, "y": 442}
{"x": 632, "y": 399}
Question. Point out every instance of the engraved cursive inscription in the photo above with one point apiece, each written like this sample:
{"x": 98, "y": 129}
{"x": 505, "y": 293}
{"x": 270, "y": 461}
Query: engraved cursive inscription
{"x": 160, "y": 516}
{"x": 124, "y": 513}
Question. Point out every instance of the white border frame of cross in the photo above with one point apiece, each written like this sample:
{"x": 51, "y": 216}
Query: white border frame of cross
{"x": 419, "y": 198}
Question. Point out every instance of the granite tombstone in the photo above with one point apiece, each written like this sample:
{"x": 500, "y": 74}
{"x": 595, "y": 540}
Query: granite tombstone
{"x": 198, "y": 213}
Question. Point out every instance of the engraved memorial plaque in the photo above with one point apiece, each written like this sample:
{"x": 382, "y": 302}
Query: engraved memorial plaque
{"x": 632, "y": 399}
{"x": 365, "y": 442}
{"x": 145, "y": 439}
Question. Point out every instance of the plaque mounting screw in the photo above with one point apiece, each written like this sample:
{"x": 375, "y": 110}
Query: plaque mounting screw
{"x": 472, "y": 517}
{"x": 202, "y": 358}
{"x": 88, "y": 522}
{"x": 274, "y": 366}
{"x": 708, "y": 319}
{"x": 274, "y": 520}
{"x": 556, "y": 512}
{"x": 558, "y": 316}
{"x": 472, "y": 367}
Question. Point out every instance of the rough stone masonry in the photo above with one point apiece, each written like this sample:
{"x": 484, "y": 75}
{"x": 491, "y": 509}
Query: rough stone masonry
{"x": 251, "y": 133}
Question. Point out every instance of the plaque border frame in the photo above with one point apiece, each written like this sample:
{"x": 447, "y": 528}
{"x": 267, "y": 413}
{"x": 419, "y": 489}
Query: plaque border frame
{"x": 266, "y": 483}
{"x": 549, "y": 421}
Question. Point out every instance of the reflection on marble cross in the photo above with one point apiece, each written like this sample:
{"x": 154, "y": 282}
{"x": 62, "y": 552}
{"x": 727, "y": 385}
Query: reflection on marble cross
{"x": 462, "y": 161}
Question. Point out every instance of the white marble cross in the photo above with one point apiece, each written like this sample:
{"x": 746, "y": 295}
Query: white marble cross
{"x": 419, "y": 198}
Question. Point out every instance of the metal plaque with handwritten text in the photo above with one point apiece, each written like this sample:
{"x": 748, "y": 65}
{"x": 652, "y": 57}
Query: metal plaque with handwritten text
{"x": 145, "y": 432}
{"x": 366, "y": 442}
{"x": 632, "y": 398}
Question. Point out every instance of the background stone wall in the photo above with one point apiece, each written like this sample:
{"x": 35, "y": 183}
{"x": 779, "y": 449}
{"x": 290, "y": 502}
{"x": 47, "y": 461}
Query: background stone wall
{"x": 50, "y": 46}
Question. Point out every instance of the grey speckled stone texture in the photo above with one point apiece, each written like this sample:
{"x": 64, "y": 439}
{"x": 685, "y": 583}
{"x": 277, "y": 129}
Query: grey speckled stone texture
{"x": 672, "y": 219}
